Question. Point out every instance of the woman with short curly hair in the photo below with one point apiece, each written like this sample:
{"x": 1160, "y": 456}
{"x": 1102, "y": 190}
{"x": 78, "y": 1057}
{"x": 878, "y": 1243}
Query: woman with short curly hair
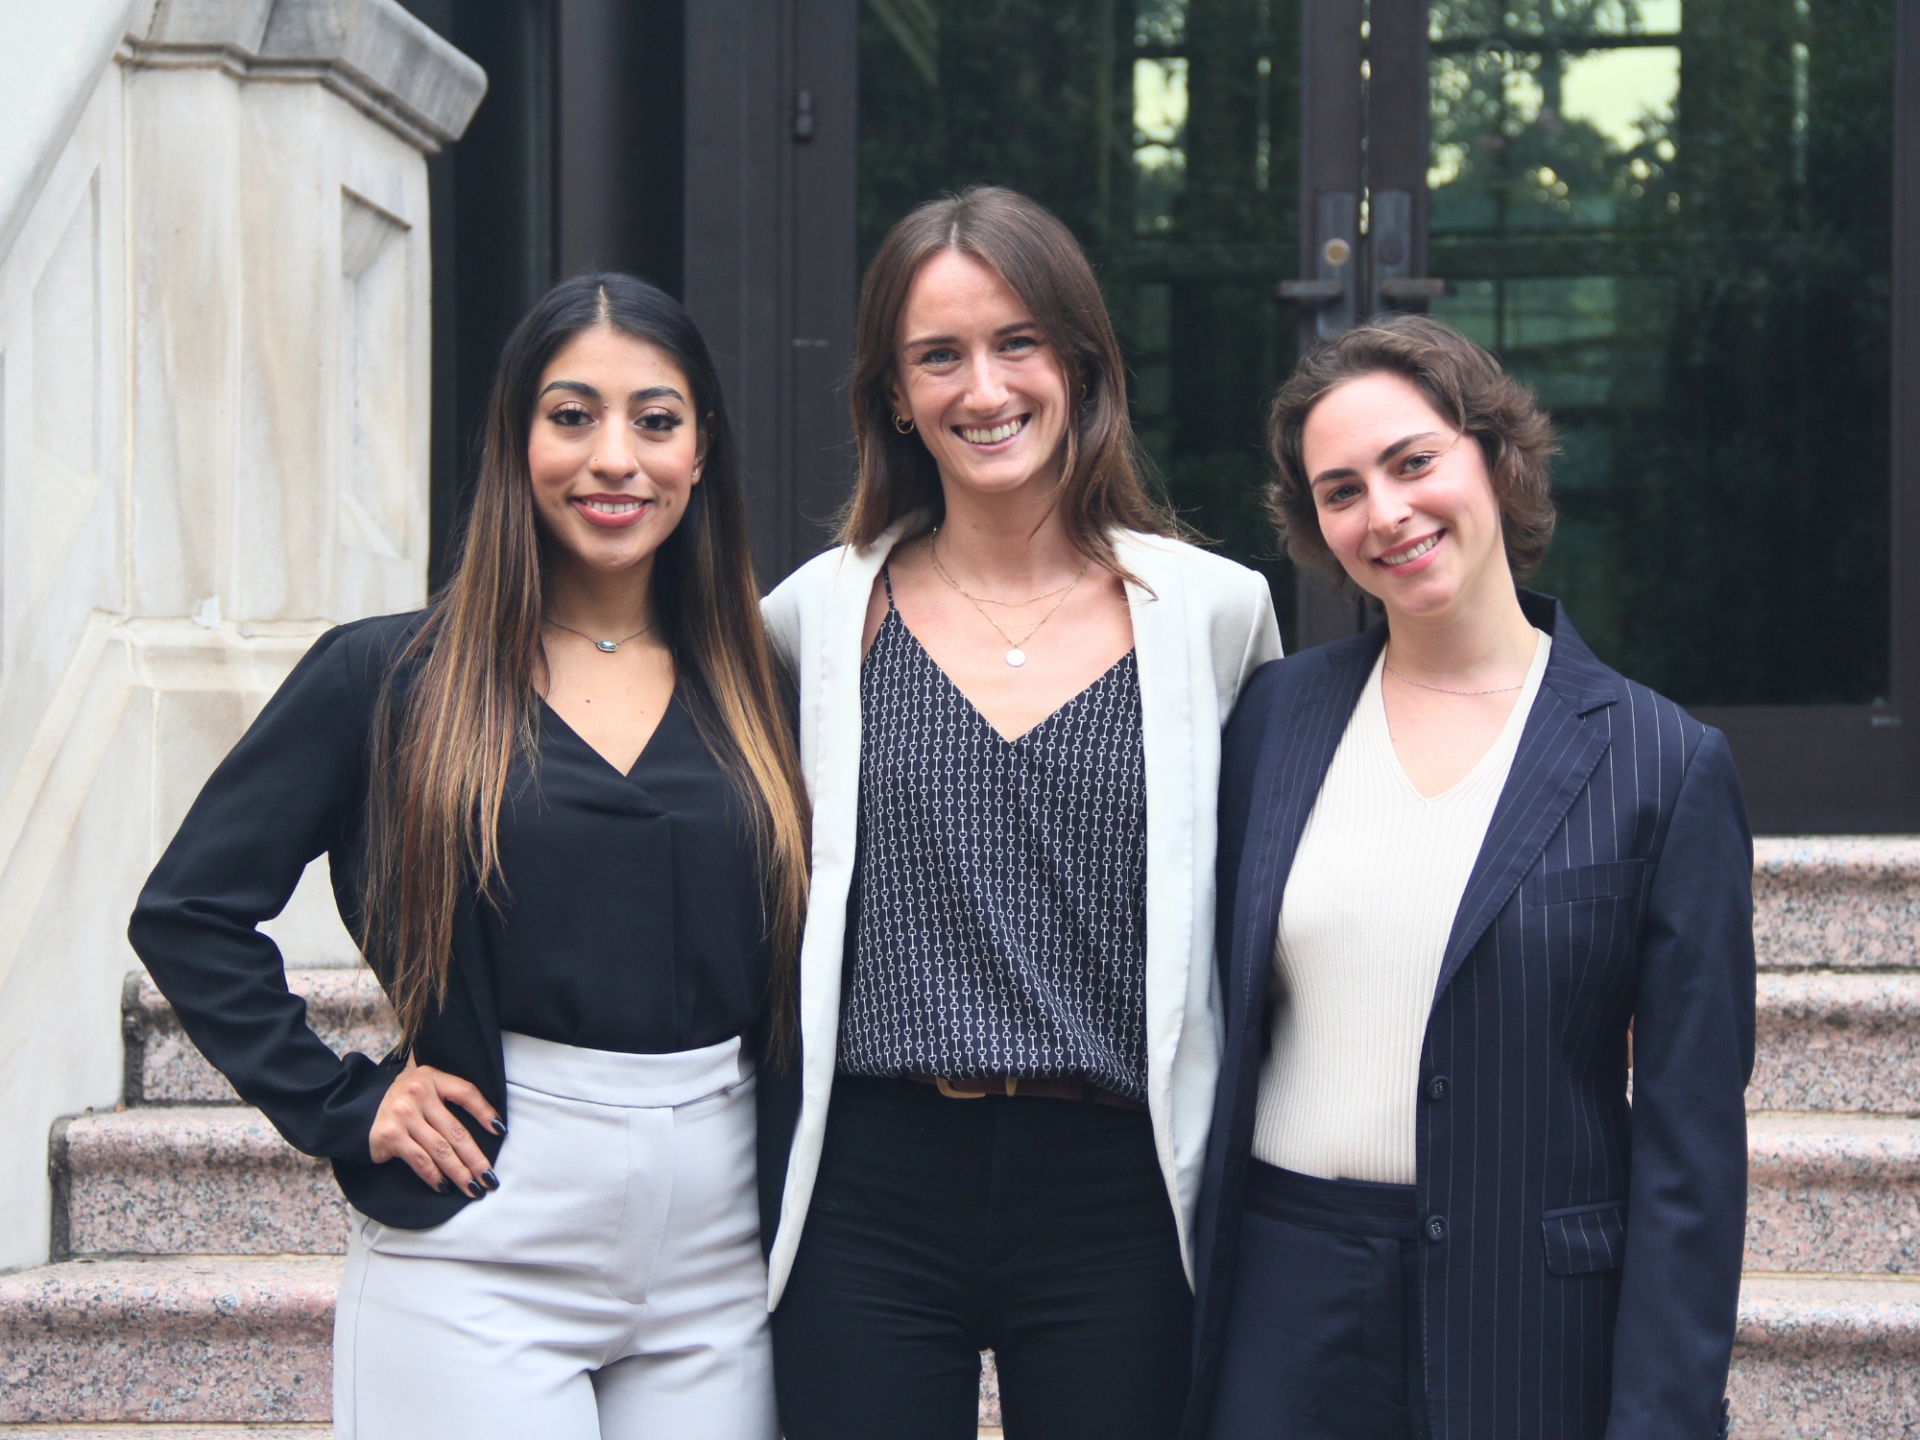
{"x": 1469, "y": 876}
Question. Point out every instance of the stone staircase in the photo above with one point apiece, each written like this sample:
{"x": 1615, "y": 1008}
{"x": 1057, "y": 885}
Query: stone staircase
{"x": 196, "y": 1255}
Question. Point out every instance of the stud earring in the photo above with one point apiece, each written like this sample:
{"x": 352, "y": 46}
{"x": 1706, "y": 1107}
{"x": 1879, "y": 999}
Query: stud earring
{"x": 903, "y": 423}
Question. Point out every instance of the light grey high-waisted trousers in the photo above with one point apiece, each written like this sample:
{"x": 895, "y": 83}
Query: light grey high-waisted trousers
{"x": 612, "y": 1287}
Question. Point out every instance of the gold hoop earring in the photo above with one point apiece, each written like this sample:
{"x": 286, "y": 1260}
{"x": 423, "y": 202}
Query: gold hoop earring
{"x": 903, "y": 423}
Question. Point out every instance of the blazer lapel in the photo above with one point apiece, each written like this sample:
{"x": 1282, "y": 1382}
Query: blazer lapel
{"x": 1558, "y": 751}
{"x": 1293, "y": 765}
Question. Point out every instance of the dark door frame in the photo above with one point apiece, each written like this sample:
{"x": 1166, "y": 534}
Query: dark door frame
{"x": 771, "y": 175}
{"x": 1814, "y": 768}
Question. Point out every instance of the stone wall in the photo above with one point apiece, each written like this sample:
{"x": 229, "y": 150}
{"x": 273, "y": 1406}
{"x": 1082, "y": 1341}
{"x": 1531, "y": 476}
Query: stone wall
{"x": 214, "y": 375}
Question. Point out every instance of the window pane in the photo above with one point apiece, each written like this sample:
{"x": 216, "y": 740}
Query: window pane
{"x": 1673, "y": 220}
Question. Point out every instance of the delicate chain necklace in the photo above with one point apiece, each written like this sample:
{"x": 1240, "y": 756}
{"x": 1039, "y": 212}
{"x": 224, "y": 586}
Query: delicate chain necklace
{"x": 1408, "y": 680}
{"x": 1016, "y": 656}
{"x": 605, "y": 647}
{"x": 947, "y": 576}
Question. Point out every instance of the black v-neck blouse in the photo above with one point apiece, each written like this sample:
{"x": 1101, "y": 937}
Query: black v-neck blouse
{"x": 631, "y": 914}
{"x": 630, "y": 919}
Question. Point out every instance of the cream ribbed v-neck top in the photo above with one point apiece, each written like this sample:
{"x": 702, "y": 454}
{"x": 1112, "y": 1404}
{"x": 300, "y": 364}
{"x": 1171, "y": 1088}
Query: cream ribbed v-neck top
{"x": 1363, "y": 928}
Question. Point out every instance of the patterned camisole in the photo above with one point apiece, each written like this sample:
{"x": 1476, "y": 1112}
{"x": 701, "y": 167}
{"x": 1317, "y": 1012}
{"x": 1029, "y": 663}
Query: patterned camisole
{"x": 1000, "y": 900}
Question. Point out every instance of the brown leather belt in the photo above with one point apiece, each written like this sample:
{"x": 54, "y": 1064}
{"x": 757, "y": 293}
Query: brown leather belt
{"x": 1063, "y": 1088}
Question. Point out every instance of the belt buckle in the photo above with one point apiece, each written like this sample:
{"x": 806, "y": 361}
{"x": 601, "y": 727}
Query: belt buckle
{"x": 945, "y": 1087}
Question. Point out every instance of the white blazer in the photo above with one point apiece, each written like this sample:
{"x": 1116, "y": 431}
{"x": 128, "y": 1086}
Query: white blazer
{"x": 1201, "y": 626}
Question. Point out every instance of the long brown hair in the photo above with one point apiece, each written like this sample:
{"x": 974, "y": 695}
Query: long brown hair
{"x": 1023, "y": 243}
{"x": 442, "y": 751}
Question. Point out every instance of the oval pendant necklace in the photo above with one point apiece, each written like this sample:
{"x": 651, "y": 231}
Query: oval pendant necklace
{"x": 605, "y": 647}
{"x": 1016, "y": 656}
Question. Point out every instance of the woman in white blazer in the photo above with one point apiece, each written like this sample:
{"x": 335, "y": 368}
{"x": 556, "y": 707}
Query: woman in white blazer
{"x": 1012, "y": 681}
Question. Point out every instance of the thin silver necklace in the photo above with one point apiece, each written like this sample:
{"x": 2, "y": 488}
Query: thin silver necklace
{"x": 1444, "y": 690}
{"x": 605, "y": 647}
{"x": 1016, "y": 656}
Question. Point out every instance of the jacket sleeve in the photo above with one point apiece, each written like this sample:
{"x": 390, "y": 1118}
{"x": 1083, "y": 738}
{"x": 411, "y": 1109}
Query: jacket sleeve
{"x": 285, "y": 793}
{"x": 781, "y": 611}
{"x": 1693, "y": 1047}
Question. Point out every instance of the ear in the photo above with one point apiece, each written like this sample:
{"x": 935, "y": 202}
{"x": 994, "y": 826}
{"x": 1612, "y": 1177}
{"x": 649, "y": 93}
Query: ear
{"x": 700, "y": 451}
{"x": 897, "y": 395}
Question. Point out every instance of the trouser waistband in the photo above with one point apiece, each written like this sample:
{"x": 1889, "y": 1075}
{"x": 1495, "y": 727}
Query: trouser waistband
{"x": 609, "y": 1077}
{"x": 1352, "y": 1207}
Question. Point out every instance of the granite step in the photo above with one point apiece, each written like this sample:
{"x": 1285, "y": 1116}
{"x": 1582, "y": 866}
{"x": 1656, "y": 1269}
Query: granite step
{"x": 345, "y": 1007}
{"x": 1820, "y": 1356}
{"x": 1834, "y": 1041}
{"x": 1833, "y": 1193}
{"x": 1837, "y": 903}
{"x": 191, "y": 1180}
{"x": 186, "y": 1340}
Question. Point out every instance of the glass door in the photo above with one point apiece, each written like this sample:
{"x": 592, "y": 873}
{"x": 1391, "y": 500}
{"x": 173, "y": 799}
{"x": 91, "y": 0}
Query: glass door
{"x": 1675, "y": 220}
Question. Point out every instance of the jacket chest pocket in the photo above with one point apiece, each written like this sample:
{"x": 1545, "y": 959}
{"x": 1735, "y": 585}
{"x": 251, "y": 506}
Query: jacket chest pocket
{"x": 1613, "y": 880}
{"x": 1586, "y": 1239}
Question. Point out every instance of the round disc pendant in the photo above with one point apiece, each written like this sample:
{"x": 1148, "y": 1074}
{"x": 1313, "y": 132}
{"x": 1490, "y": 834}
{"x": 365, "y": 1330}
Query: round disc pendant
{"x": 1016, "y": 657}
{"x": 609, "y": 646}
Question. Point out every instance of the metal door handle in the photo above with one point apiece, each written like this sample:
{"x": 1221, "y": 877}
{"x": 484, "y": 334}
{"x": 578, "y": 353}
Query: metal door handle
{"x": 1425, "y": 288}
{"x": 1313, "y": 292}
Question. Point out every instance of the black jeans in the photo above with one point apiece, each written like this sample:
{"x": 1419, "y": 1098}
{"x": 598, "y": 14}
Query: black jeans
{"x": 1040, "y": 1229}
{"x": 1322, "y": 1339}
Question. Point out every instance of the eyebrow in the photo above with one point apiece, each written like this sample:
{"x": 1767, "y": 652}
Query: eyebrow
{"x": 1002, "y": 332}
{"x": 580, "y": 387}
{"x": 1344, "y": 473}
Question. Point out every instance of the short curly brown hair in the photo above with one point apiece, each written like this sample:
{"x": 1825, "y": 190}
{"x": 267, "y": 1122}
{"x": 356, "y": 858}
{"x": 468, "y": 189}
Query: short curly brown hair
{"x": 1464, "y": 384}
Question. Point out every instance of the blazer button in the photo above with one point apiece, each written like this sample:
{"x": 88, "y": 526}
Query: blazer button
{"x": 1436, "y": 1227}
{"x": 1437, "y": 1088}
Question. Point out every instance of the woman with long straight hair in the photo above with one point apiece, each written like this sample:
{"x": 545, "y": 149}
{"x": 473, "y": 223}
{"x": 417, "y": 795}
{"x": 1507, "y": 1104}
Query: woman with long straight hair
{"x": 565, "y": 821}
{"x": 1013, "y": 676}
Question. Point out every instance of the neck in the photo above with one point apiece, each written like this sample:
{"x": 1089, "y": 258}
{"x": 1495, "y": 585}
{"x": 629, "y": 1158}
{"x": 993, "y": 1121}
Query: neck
{"x": 605, "y": 605}
{"x": 1485, "y": 639}
{"x": 1009, "y": 541}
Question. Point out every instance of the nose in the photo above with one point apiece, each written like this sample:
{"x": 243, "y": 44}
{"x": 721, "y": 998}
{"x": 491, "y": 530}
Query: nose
{"x": 1387, "y": 509}
{"x": 985, "y": 390}
{"x": 614, "y": 456}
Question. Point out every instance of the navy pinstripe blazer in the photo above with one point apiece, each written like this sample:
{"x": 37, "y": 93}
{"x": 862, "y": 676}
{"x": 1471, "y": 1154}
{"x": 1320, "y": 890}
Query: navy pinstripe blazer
{"x": 1580, "y": 1264}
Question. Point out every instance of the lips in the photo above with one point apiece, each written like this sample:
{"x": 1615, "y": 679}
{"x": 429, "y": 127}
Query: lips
{"x": 1412, "y": 557}
{"x": 992, "y": 434}
{"x": 611, "y": 512}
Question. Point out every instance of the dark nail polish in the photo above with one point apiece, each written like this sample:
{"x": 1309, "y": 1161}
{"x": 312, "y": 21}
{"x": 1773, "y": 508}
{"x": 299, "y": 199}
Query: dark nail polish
{"x": 473, "y": 1189}
{"x": 445, "y": 1186}
{"x": 497, "y": 1125}
{"x": 493, "y": 1180}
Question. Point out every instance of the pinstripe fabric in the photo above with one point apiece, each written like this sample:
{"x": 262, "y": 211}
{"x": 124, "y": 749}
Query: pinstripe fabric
{"x": 1613, "y": 884}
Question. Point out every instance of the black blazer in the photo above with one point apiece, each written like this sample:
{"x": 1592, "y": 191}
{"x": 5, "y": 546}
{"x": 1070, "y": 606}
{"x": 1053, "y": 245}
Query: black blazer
{"x": 1580, "y": 1252}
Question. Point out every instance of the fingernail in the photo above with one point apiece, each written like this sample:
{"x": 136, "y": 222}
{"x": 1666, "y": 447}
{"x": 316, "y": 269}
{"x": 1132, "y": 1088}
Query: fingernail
{"x": 446, "y": 1186}
{"x": 473, "y": 1189}
{"x": 498, "y": 1126}
{"x": 493, "y": 1180}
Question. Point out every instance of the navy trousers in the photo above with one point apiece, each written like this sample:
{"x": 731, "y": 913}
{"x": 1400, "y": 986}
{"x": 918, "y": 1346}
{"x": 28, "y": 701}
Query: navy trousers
{"x": 1322, "y": 1337}
{"x": 1038, "y": 1228}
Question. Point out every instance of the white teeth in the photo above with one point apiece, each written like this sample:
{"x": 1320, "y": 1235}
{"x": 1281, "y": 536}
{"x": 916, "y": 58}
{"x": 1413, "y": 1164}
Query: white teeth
{"x": 1000, "y": 432}
{"x": 613, "y": 507}
{"x": 1414, "y": 554}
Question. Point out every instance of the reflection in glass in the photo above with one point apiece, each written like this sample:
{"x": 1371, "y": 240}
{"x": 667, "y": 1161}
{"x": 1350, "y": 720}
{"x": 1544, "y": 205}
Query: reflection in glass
{"x": 1162, "y": 132}
{"x": 1675, "y": 224}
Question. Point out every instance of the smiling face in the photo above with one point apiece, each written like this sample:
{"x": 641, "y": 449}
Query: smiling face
{"x": 614, "y": 450}
{"x": 980, "y": 381}
{"x": 1404, "y": 499}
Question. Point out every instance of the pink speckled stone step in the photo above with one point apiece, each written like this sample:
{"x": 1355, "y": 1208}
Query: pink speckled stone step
{"x": 1837, "y": 1193}
{"x": 190, "y": 1340}
{"x": 345, "y": 1007}
{"x": 1821, "y": 1356}
{"x": 172, "y": 1432}
{"x": 1837, "y": 902}
{"x": 1831, "y": 1041}
{"x": 196, "y": 1180}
